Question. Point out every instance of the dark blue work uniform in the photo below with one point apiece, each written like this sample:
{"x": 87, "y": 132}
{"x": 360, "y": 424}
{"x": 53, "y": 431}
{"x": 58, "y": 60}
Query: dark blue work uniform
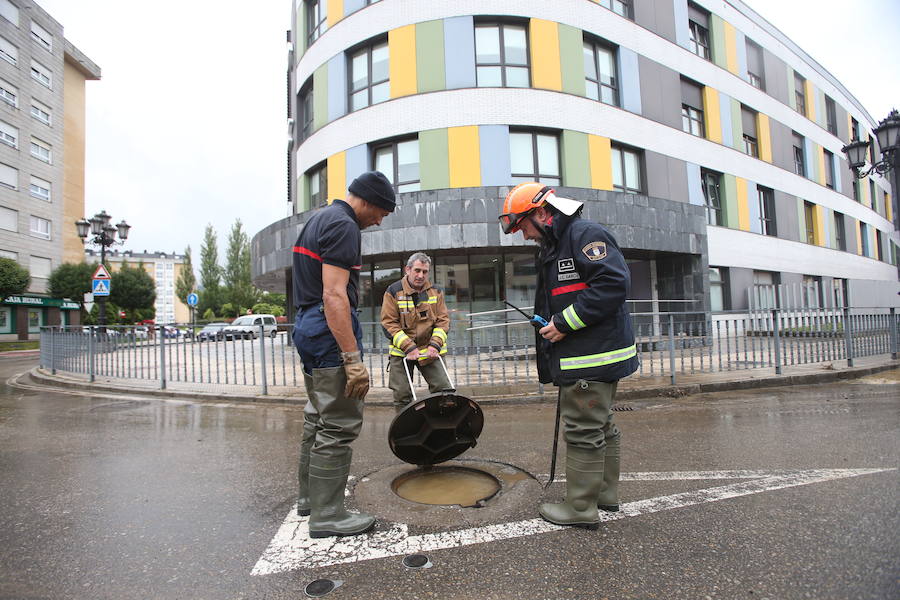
{"x": 332, "y": 237}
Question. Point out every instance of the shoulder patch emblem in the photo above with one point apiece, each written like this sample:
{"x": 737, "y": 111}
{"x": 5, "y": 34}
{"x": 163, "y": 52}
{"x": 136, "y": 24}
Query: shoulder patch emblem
{"x": 565, "y": 264}
{"x": 595, "y": 250}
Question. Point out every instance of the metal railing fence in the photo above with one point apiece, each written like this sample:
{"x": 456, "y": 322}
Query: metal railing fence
{"x": 669, "y": 344}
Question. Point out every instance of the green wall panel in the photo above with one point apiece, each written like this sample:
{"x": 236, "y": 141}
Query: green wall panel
{"x": 730, "y": 202}
{"x": 434, "y": 159}
{"x": 801, "y": 220}
{"x": 717, "y": 32}
{"x": 576, "y": 159}
{"x": 300, "y": 30}
{"x": 320, "y": 96}
{"x": 430, "y": 56}
{"x": 791, "y": 88}
{"x": 571, "y": 55}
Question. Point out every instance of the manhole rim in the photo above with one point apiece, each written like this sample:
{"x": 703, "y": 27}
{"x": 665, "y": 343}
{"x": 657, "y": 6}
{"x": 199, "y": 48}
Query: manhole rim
{"x": 403, "y": 477}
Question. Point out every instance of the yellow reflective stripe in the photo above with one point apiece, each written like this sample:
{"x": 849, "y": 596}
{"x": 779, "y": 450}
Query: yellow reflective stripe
{"x": 597, "y": 360}
{"x": 395, "y": 351}
{"x": 572, "y": 318}
{"x": 404, "y": 304}
{"x": 432, "y": 300}
{"x": 399, "y": 338}
{"x": 439, "y": 333}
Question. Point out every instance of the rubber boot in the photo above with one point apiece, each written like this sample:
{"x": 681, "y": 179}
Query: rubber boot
{"x": 327, "y": 482}
{"x": 310, "y": 417}
{"x": 609, "y": 495}
{"x": 584, "y": 480}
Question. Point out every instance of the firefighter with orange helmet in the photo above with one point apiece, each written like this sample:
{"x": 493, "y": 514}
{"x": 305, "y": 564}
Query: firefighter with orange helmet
{"x": 587, "y": 346}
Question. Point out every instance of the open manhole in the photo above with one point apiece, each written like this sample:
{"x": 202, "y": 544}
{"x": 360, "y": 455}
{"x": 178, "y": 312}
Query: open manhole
{"x": 445, "y": 486}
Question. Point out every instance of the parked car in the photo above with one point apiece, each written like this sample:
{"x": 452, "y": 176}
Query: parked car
{"x": 248, "y": 327}
{"x": 212, "y": 331}
{"x": 170, "y": 332}
{"x": 140, "y": 333}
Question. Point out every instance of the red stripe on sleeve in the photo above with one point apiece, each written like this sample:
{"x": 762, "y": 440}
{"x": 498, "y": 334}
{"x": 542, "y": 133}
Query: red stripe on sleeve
{"x": 568, "y": 288}
{"x": 310, "y": 253}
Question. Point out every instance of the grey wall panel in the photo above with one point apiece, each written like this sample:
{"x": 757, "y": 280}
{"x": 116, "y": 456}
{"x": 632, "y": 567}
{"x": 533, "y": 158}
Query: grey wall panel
{"x": 660, "y": 93}
{"x": 678, "y": 182}
{"x": 657, "y": 173}
{"x": 739, "y": 281}
{"x": 843, "y": 127}
{"x": 776, "y": 77}
{"x": 787, "y": 221}
{"x": 782, "y": 146}
{"x": 658, "y": 17}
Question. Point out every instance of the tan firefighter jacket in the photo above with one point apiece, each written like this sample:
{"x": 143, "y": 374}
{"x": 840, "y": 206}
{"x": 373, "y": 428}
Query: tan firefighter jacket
{"x": 413, "y": 319}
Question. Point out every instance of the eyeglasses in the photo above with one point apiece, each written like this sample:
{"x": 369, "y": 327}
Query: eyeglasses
{"x": 510, "y": 222}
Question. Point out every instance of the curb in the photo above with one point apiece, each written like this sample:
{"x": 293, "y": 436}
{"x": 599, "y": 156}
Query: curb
{"x": 669, "y": 391}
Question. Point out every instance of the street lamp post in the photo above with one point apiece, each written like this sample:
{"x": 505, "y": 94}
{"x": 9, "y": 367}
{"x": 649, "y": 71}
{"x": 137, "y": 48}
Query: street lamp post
{"x": 98, "y": 231}
{"x": 888, "y": 136}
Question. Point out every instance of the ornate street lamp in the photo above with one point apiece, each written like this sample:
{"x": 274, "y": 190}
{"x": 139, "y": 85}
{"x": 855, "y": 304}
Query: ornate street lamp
{"x": 888, "y": 136}
{"x": 99, "y": 232}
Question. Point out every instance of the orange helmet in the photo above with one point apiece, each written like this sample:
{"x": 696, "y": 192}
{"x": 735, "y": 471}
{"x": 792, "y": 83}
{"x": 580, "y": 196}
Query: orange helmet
{"x": 520, "y": 202}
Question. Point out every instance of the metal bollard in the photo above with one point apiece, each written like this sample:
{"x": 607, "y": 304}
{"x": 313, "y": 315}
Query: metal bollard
{"x": 91, "y": 356}
{"x": 672, "y": 347}
{"x": 848, "y": 337}
{"x": 262, "y": 358}
{"x": 776, "y": 341}
{"x": 52, "y": 357}
{"x": 893, "y": 326}
{"x": 162, "y": 358}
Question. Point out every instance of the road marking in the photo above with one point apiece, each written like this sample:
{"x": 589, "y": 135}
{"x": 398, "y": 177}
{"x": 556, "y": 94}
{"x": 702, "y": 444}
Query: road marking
{"x": 292, "y": 548}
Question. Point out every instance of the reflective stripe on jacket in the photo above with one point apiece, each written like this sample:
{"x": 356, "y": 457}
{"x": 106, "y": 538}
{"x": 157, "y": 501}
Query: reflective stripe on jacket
{"x": 583, "y": 282}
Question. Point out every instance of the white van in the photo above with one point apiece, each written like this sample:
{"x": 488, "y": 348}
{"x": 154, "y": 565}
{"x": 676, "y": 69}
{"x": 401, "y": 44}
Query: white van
{"x": 247, "y": 327}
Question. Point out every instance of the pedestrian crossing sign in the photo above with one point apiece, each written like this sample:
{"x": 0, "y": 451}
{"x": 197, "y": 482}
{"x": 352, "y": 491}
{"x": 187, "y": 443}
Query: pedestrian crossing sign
{"x": 101, "y": 287}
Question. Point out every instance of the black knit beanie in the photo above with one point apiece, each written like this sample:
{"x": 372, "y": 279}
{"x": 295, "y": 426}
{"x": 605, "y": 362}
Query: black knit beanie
{"x": 374, "y": 187}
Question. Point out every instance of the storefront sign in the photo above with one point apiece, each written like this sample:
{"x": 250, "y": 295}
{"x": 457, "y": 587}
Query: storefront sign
{"x": 40, "y": 301}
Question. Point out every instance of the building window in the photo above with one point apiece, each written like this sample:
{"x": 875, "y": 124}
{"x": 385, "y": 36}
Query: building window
{"x": 40, "y": 267}
{"x": 534, "y": 157}
{"x": 316, "y": 20}
{"x": 748, "y": 123}
{"x": 854, "y": 130}
{"x": 40, "y": 112}
{"x": 41, "y": 150}
{"x": 626, "y": 170}
{"x": 764, "y": 283}
{"x": 837, "y": 291}
{"x": 8, "y": 52}
{"x": 9, "y": 135}
{"x": 809, "y": 217}
{"x": 799, "y": 155}
{"x": 306, "y": 110}
{"x": 41, "y": 74}
{"x": 399, "y": 161}
{"x": 799, "y": 94}
{"x": 9, "y": 177}
{"x": 713, "y": 197}
{"x": 39, "y": 188}
{"x": 9, "y": 219}
{"x": 829, "y": 169}
{"x": 318, "y": 186}
{"x": 840, "y": 236}
{"x": 855, "y": 187}
{"x": 717, "y": 276}
{"x": 9, "y": 12}
{"x": 830, "y": 116}
{"x": 369, "y": 76}
{"x": 692, "y": 108}
{"x": 755, "y": 71}
{"x": 811, "y": 286}
{"x": 698, "y": 23}
{"x": 600, "y": 81}
{"x": 864, "y": 238}
{"x": 878, "y": 247}
{"x": 39, "y": 227}
{"x": 42, "y": 37}
{"x": 620, "y": 7}
{"x": 8, "y": 94}
{"x": 766, "y": 199}
{"x": 501, "y": 55}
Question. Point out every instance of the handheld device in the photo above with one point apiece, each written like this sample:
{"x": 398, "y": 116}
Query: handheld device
{"x": 536, "y": 320}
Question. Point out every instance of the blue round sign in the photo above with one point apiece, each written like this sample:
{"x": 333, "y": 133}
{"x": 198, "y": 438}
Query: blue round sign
{"x": 192, "y": 299}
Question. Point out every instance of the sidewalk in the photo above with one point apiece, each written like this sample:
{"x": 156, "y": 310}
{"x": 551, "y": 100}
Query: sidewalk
{"x": 631, "y": 388}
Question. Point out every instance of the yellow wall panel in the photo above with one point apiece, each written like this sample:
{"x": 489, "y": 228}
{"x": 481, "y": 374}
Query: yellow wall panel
{"x": 402, "y": 52}
{"x": 809, "y": 92}
{"x": 335, "y": 12}
{"x": 764, "y": 134}
{"x": 337, "y": 176}
{"x": 465, "y": 156}
{"x": 731, "y": 48}
{"x": 743, "y": 207}
{"x": 857, "y": 229}
{"x": 711, "y": 118}
{"x": 546, "y": 69}
{"x": 819, "y": 226}
{"x": 889, "y": 210}
{"x": 600, "y": 152}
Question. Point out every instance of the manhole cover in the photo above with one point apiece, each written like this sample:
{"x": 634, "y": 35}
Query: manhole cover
{"x": 416, "y": 561}
{"x": 446, "y": 486}
{"x": 435, "y": 429}
{"x": 320, "y": 587}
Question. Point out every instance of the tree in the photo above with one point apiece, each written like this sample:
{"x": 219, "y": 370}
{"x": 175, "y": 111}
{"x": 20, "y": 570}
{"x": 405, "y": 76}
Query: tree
{"x": 14, "y": 278}
{"x": 239, "y": 288}
{"x": 71, "y": 280}
{"x": 133, "y": 290}
{"x": 209, "y": 315}
{"x": 210, "y": 273}
{"x": 186, "y": 281}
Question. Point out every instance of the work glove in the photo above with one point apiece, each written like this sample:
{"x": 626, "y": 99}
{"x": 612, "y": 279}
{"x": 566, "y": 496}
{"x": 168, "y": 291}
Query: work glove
{"x": 357, "y": 375}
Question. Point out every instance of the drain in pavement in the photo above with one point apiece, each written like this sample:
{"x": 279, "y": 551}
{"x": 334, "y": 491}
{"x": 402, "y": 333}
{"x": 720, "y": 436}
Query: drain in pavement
{"x": 621, "y": 407}
{"x": 416, "y": 561}
{"x": 321, "y": 587}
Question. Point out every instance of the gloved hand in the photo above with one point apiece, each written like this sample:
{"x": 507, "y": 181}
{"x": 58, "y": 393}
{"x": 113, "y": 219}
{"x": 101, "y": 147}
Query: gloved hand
{"x": 430, "y": 355}
{"x": 357, "y": 375}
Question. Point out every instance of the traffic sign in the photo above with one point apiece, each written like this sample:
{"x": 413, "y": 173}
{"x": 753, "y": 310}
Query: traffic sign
{"x": 100, "y": 287}
{"x": 192, "y": 299}
{"x": 101, "y": 272}
{"x": 88, "y": 301}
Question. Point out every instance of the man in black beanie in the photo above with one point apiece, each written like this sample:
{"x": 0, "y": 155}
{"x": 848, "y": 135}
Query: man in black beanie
{"x": 328, "y": 337}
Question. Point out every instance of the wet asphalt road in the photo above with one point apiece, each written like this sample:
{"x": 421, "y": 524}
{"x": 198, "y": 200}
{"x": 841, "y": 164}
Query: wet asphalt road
{"x": 131, "y": 497}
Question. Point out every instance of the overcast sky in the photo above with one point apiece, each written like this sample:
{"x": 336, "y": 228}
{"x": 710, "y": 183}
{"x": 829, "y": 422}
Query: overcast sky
{"x": 188, "y": 126}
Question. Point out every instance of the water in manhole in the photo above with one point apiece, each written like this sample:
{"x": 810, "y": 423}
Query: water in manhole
{"x": 446, "y": 486}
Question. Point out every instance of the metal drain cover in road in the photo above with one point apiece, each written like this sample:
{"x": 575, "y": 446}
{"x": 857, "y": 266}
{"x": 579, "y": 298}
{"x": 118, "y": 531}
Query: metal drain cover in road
{"x": 416, "y": 561}
{"x": 320, "y": 587}
{"x": 435, "y": 429}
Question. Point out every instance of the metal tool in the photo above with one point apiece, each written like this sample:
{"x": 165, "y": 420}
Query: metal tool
{"x": 536, "y": 320}
{"x": 555, "y": 442}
